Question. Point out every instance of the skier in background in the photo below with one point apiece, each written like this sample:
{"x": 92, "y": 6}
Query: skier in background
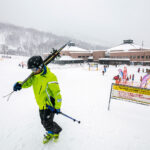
{"x": 104, "y": 68}
{"x": 47, "y": 95}
{"x": 143, "y": 69}
{"x": 103, "y": 72}
{"x": 132, "y": 78}
{"x": 141, "y": 78}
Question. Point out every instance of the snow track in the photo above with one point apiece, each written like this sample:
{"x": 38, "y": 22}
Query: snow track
{"x": 85, "y": 97}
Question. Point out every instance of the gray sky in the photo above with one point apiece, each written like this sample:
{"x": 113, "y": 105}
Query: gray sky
{"x": 105, "y": 22}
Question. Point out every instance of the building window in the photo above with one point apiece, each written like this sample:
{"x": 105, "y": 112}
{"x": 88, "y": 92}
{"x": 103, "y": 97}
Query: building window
{"x": 138, "y": 57}
{"x": 146, "y": 57}
{"x": 142, "y": 57}
{"x": 134, "y": 57}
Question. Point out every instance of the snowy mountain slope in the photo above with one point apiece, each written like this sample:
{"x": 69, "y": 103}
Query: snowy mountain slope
{"x": 85, "y": 97}
{"x": 26, "y": 41}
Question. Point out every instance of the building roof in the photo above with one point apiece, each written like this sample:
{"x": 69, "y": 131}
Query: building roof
{"x": 84, "y": 52}
{"x": 98, "y": 50}
{"x": 127, "y": 45}
{"x": 74, "y": 48}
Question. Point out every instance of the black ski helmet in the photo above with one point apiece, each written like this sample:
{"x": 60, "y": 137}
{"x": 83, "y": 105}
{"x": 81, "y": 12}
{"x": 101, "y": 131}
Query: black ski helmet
{"x": 35, "y": 62}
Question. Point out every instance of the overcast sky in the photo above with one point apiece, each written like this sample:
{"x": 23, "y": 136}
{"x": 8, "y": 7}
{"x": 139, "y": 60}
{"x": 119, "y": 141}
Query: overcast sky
{"x": 105, "y": 22}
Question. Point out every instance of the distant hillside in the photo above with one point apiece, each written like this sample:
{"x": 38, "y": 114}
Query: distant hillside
{"x": 26, "y": 41}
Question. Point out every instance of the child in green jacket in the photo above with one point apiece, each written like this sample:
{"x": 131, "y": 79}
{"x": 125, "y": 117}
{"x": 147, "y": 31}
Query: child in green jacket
{"x": 47, "y": 94}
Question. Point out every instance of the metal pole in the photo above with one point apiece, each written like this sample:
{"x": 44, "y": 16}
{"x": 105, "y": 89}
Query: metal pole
{"x": 110, "y": 98}
{"x": 70, "y": 117}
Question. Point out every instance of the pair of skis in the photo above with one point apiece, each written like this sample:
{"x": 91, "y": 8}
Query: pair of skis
{"x": 49, "y": 59}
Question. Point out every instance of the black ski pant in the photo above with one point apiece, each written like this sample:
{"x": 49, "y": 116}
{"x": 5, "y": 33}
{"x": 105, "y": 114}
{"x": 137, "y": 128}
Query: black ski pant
{"x": 47, "y": 121}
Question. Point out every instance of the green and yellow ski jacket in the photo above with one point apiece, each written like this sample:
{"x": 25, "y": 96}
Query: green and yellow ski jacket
{"x": 46, "y": 88}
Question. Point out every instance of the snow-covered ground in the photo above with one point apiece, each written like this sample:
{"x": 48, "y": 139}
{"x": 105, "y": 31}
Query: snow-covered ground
{"x": 85, "y": 97}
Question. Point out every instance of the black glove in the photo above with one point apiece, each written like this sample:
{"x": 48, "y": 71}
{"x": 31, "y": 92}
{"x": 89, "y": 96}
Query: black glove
{"x": 17, "y": 86}
{"x": 57, "y": 111}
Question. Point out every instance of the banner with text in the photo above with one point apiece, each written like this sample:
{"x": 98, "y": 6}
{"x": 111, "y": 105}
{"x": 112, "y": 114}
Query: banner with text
{"x": 134, "y": 94}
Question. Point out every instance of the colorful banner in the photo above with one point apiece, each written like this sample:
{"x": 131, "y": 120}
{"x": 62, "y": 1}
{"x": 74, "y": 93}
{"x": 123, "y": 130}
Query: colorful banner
{"x": 125, "y": 73}
{"x": 120, "y": 73}
{"x": 134, "y": 94}
{"x": 145, "y": 81}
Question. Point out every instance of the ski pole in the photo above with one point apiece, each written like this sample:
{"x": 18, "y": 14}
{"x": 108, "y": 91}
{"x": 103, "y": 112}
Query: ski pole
{"x": 70, "y": 117}
{"x": 8, "y": 95}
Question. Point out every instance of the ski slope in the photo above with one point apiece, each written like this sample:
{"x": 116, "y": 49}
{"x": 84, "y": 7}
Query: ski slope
{"x": 85, "y": 97}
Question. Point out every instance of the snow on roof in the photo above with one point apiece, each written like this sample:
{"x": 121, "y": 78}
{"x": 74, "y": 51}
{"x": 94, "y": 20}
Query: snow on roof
{"x": 80, "y": 52}
{"x": 74, "y": 48}
{"x": 91, "y": 57}
{"x": 122, "y": 59}
{"x": 125, "y": 47}
{"x": 68, "y": 58}
{"x": 137, "y": 51}
{"x": 97, "y": 50}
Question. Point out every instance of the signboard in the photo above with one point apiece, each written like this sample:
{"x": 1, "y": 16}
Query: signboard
{"x": 129, "y": 93}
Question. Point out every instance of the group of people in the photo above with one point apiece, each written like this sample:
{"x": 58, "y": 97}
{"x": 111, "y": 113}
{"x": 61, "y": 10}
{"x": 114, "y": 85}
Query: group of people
{"x": 139, "y": 69}
{"x": 22, "y": 64}
{"x": 118, "y": 79}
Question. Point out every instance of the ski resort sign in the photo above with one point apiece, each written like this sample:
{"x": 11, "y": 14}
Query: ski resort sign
{"x": 129, "y": 93}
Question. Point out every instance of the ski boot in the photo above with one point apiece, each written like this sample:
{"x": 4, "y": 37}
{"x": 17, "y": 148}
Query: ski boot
{"x": 47, "y": 137}
{"x": 55, "y": 137}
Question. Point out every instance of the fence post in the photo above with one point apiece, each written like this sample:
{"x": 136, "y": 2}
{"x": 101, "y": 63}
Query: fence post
{"x": 110, "y": 98}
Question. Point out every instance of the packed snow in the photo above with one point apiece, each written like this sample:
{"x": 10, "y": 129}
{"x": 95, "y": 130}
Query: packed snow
{"x": 85, "y": 97}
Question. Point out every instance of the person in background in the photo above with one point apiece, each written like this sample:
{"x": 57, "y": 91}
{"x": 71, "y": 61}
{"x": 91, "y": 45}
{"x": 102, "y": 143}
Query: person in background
{"x": 104, "y": 68}
{"x": 117, "y": 79}
{"x": 103, "y": 72}
{"x": 132, "y": 78}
